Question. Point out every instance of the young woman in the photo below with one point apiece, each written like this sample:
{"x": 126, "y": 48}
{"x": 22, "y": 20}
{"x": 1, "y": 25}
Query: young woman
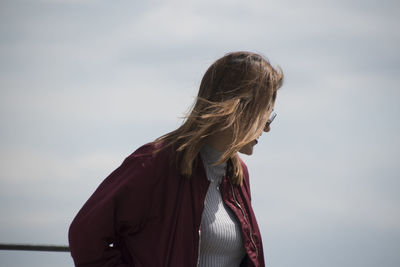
{"x": 184, "y": 199}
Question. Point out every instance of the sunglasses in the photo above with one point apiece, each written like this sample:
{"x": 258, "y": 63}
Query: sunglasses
{"x": 270, "y": 120}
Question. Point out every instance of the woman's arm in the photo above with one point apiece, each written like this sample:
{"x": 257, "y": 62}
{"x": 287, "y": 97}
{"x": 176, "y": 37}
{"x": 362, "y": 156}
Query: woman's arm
{"x": 121, "y": 200}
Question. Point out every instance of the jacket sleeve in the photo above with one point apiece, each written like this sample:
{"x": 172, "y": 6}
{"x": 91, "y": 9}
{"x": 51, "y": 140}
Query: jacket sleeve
{"x": 119, "y": 205}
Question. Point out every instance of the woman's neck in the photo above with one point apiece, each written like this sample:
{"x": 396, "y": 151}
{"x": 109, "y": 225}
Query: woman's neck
{"x": 220, "y": 141}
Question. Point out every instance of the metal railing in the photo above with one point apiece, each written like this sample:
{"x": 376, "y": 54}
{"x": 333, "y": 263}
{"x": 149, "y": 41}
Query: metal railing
{"x": 30, "y": 247}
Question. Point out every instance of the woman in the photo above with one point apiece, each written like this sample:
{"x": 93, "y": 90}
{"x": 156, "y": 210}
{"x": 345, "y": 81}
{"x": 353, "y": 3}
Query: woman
{"x": 184, "y": 199}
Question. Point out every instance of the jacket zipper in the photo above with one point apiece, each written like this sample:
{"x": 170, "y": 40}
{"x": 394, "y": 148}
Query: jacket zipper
{"x": 198, "y": 250}
{"x": 245, "y": 218}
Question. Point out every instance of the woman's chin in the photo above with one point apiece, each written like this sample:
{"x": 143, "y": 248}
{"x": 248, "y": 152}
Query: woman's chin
{"x": 248, "y": 148}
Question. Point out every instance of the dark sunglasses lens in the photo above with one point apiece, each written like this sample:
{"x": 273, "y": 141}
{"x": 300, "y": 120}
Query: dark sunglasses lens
{"x": 271, "y": 119}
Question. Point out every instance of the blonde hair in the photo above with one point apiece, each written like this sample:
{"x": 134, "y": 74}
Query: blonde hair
{"x": 236, "y": 91}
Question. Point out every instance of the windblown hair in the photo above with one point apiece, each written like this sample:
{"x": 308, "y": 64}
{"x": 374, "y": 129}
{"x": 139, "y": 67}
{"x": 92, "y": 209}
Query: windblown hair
{"x": 236, "y": 92}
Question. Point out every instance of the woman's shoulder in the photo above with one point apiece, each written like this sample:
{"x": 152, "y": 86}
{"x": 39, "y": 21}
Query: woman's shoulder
{"x": 150, "y": 154}
{"x": 150, "y": 151}
{"x": 141, "y": 168}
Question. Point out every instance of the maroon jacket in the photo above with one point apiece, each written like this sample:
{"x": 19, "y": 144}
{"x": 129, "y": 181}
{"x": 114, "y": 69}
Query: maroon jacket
{"x": 146, "y": 214}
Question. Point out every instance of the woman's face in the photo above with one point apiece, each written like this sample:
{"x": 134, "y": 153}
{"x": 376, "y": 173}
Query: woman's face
{"x": 248, "y": 148}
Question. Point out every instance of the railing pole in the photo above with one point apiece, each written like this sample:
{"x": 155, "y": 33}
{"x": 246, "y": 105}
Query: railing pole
{"x": 29, "y": 247}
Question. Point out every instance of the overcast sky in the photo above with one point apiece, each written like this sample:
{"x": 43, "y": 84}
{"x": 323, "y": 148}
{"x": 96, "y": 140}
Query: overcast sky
{"x": 85, "y": 83}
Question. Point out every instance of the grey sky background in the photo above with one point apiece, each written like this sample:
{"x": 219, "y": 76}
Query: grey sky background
{"x": 85, "y": 83}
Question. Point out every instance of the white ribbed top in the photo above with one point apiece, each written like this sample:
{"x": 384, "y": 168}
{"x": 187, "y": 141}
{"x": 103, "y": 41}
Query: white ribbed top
{"x": 221, "y": 240}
